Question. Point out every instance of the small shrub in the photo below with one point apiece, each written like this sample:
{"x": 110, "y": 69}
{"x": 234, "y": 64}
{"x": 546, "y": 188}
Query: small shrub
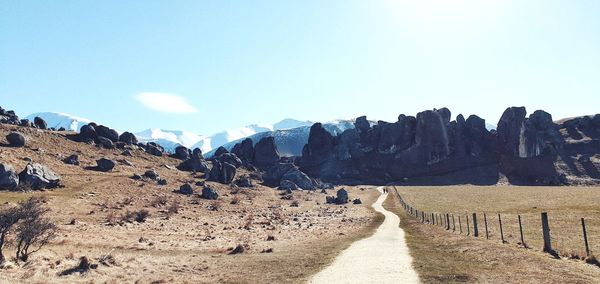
{"x": 173, "y": 208}
{"x": 249, "y": 222}
{"x": 127, "y": 201}
{"x": 214, "y": 206}
{"x": 159, "y": 201}
{"x": 141, "y": 215}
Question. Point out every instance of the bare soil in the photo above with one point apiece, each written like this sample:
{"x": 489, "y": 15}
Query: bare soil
{"x": 282, "y": 243}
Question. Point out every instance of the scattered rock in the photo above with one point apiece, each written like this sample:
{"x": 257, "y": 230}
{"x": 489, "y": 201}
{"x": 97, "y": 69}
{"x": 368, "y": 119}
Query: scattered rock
{"x": 151, "y": 174}
{"x": 209, "y": 193}
{"x": 162, "y": 181}
{"x": 238, "y": 249}
{"x": 72, "y": 160}
{"x": 187, "y": 190}
{"x": 39, "y": 176}
{"x": 244, "y": 181}
{"x": 287, "y": 185}
{"x": 8, "y": 177}
{"x": 127, "y": 153}
{"x": 357, "y": 201}
{"x": 16, "y": 139}
{"x": 105, "y": 165}
{"x": 136, "y": 177}
{"x": 342, "y": 198}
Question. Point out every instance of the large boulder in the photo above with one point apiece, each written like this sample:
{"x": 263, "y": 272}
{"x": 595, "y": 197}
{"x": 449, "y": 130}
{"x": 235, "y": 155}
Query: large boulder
{"x": 105, "y": 142}
{"x": 288, "y": 171}
{"x": 300, "y": 179}
{"x": 197, "y": 153}
{"x": 509, "y": 130}
{"x": 182, "y": 153}
{"x": 40, "y": 123}
{"x": 341, "y": 196}
{"x": 287, "y": 185}
{"x": 244, "y": 150}
{"x": 154, "y": 149}
{"x": 8, "y": 177}
{"x": 38, "y": 176}
{"x": 222, "y": 172}
{"x": 244, "y": 181}
{"x": 9, "y": 117}
{"x": 231, "y": 159}
{"x": 209, "y": 193}
{"x": 128, "y": 138}
{"x": 105, "y": 165}
{"x": 362, "y": 124}
{"x": 16, "y": 139}
{"x": 431, "y": 137}
{"x": 265, "y": 153}
{"x": 87, "y": 133}
{"x": 107, "y": 132}
{"x": 193, "y": 165}
{"x": 319, "y": 147}
{"x": 220, "y": 151}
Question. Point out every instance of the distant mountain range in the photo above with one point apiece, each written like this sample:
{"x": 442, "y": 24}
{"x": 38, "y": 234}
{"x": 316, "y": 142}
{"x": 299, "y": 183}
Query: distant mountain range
{"x": 290, "y": 134}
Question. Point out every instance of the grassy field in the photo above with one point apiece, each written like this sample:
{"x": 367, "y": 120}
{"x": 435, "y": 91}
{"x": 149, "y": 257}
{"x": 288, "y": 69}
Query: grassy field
{"x": 442, "y": 256}
{"x": 565, "y": 207}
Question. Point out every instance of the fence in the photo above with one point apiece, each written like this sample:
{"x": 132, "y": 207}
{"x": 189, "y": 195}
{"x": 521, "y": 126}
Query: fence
{"x": 526, "y": 230}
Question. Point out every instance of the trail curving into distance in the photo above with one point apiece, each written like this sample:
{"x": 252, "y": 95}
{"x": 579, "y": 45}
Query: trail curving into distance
{"x": 380, "y": 258}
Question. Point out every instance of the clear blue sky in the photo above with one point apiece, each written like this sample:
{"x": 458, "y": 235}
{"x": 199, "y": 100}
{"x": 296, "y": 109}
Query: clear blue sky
{"x": 231, "y": 63}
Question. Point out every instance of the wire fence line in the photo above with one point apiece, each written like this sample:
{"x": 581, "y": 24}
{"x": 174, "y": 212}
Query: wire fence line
{"x": 530, "y": 230}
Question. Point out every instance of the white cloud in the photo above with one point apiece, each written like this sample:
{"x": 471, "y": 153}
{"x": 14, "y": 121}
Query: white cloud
{"x": 164, "y": 102}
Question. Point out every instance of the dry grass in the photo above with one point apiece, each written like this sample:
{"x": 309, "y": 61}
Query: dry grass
{"x": 187, "y": 247}
{"x": 442, "y": 256}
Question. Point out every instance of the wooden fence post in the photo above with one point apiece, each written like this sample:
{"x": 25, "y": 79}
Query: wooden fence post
{"x": 487, "y": 236}
{"x": 432, "y": 219}
{"x": 521, "y": 231}
{"x": 585, "y": 240}
{"x": 546, "y": 234}
{"x": 501, "y": 231}
{"x": 468, "y": 227}
{"x": 422, "y": 217}
{"x": 447, "y": 221}
{"x": 453, "y": 224}
{"x": 459, "y": 225}
{"x": 475, "y": 229}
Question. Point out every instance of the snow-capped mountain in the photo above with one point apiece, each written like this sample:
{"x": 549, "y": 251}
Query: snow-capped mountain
{"x": 291, "y": 141}
{"x": 57, "y": 120}
{"x": 169, "y": 139}
{"x": 218, "y": 139}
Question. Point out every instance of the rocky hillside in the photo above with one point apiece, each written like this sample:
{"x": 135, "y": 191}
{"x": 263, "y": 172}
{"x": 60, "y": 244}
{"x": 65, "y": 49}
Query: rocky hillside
{"x": 432, "y": 149}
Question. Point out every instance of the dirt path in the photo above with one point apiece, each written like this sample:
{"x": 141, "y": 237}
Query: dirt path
{"x": 381, "y": 258}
